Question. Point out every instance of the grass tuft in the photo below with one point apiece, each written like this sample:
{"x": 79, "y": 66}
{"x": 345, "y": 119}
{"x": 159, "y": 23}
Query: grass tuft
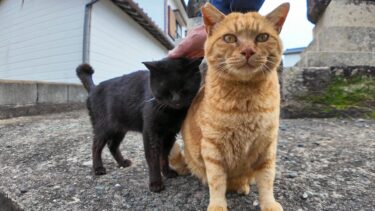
{"x": 345, "y": 93}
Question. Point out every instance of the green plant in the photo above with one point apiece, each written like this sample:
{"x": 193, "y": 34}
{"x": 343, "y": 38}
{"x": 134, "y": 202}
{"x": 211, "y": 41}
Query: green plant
{"x": 371, "y": 114}
{"x": 345, "y": 93}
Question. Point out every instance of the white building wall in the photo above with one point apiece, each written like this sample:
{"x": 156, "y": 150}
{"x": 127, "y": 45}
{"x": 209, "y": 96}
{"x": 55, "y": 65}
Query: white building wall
{"x": 119, "y": 45}
{"x": 291, "y": 59}
{"x": 41, "y": 39}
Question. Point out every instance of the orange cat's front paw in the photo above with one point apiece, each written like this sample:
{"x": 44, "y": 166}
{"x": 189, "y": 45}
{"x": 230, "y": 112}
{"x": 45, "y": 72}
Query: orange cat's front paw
{"x": 216, "y": 208}
{"x": 274, "y": 206}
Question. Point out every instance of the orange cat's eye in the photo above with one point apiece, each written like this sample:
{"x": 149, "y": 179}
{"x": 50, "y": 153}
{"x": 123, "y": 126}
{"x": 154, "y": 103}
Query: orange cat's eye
{"x": 230, "y": 38}
{"x": 262, "y": 37}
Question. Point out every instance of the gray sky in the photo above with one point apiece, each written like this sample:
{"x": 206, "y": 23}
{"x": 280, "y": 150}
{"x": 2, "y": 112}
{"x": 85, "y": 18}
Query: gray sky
{"x": 297, "y": 30}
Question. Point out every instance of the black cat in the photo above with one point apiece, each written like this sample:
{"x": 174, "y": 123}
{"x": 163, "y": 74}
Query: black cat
{"x": 153, "y": 102}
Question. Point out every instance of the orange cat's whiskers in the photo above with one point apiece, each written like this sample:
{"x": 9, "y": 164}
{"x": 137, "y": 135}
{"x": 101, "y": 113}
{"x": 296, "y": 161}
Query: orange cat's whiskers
{"x": 223, "y": 66}
{"x": 265, "y": 69}
{"x": 270, "y": 62}
{"x": 236, "y": 62}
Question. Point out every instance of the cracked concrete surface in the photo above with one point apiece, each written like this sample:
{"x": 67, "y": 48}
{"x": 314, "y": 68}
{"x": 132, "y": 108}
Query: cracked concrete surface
{"x": 45, "y": 164}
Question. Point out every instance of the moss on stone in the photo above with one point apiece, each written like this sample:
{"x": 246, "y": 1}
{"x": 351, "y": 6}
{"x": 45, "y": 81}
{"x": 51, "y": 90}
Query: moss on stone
{"x": 344, "y": 94}
{"x": 371, "y": 114}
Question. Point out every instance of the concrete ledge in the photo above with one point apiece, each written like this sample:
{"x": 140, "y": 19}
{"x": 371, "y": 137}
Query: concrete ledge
{"x": 21, "y": 98}
{"x": 52, "y": 93}
{"x": 18, "y": 92}
{"x": 76, "y": 93}
{"x": 37, "y": 109}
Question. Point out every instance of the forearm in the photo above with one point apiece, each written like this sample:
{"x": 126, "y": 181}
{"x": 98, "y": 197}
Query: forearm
{"x": 228, "y": 6}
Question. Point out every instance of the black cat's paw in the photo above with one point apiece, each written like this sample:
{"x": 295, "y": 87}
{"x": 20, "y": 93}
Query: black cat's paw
{"x": 100, "y": 170}
{"x": 156, "y": 186}
{"x": 126, "y": 163}
{"x": 170, "y": 173}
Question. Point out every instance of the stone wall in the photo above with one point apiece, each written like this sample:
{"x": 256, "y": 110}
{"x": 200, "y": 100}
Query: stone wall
{"x": 343, "y": 46}
{"x": 343, "y": 35}
{"x": 304, "y": 90}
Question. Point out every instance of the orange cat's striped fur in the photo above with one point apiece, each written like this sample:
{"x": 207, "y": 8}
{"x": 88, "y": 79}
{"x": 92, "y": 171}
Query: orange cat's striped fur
{"x": 230, "y": 133}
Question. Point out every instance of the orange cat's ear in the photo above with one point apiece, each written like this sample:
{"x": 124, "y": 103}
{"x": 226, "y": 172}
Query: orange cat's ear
{"x": 278, "y": 16}
{"x": 211, "y": 16}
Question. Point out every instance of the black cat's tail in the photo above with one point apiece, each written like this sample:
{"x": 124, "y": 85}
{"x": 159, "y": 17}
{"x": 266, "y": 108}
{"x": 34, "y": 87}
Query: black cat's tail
{"x": 84, "y": 73}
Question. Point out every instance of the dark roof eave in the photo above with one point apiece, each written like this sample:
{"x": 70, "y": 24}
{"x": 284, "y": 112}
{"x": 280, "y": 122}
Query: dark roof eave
{"x": 184, "y": 4}
{"x": 294, "y": 50}
{"x": 139, "y": 16}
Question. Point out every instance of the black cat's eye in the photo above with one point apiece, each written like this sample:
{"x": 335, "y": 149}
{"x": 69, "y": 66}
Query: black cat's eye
{"x": 230, "y": 38}
{"x": 262, "y": 37}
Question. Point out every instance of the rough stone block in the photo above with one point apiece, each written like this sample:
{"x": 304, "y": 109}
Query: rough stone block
{"x": 345, "y": 39}
{"x": 76, "y": 94}
{"x": 358, "y": 13}
{"x": 18, "y": 93}
{"x": 300, "y": 81}
{"x": 293, "y": 83}
{"x": 316, "y": 79}
{"x": 315, "y": 9}
{"x": 312, "y": 47}
{"x": 52, "y": 93}
{"x": 353, "y": 71}
{"x": 324, "y": 59}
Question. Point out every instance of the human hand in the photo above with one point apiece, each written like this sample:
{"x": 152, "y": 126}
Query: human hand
{"x": 192, "y": 46}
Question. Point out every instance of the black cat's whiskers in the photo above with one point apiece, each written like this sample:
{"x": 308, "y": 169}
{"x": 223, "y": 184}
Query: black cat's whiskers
{"x": 161, "y": 106}
{"x": 149, "y": 100}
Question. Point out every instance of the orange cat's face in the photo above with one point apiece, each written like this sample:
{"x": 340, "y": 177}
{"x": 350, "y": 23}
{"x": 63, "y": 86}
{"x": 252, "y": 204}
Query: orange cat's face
{"x": 243, "y": 46}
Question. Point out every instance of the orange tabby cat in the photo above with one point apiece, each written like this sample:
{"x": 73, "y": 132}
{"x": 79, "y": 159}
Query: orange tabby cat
{"x": 230, "y": 133}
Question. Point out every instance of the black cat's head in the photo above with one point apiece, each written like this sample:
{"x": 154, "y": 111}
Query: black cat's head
{"x": 174, "y": 82}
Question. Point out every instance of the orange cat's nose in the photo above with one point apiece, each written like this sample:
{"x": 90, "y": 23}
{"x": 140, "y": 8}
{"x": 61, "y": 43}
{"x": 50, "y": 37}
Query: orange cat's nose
{"x": 248, "y": 52}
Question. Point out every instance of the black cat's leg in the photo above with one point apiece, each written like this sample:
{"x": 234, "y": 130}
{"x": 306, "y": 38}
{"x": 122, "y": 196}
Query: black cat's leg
{"x": 114, "y": 148}
{"x": 167, "y": 145}
{"x": 152, "y": 152}
{"x": 97, "y": 147}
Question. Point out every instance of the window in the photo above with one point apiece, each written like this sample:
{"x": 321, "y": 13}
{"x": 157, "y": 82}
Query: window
{"x": 172, "y": 23}
{"x": 176, "y": 24}
{"x": 178, "y": 30}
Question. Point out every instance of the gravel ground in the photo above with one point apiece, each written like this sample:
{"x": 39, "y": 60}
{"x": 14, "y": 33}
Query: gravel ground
{"x": 45, "y": 164}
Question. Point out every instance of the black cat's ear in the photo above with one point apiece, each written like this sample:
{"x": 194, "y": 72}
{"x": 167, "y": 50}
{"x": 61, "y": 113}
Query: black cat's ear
{"x": 152, "y": 66}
